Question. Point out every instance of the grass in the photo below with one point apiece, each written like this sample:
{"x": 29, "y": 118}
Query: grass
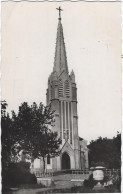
{"x": 75, "y": 189}
{"x": 25, "y": 186}
{"x": 32, "y": 186}
{"x": 84, "y": 190}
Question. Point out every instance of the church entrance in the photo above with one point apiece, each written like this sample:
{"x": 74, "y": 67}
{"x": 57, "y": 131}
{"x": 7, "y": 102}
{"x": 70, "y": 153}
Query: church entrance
{"x": 65, "y": 161}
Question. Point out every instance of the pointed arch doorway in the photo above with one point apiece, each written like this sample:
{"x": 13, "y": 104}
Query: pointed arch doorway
{"x": 65, "y": 161}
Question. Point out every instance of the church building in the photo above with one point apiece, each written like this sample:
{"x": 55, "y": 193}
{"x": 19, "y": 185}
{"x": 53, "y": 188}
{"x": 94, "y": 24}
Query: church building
{"x": 62, "y": 95}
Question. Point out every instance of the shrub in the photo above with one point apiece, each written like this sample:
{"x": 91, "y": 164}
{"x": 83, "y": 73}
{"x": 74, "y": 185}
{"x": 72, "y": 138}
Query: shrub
{"x": 116, "y": 180}
{"x": 17, "y": 174}
{"x": 99, "y": 163}
{"x": 90, "y": 182}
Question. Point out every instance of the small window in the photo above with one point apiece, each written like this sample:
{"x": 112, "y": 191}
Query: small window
{"x": 48, "y": 159}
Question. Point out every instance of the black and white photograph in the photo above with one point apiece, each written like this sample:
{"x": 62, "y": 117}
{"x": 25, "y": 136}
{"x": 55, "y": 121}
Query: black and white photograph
{"x": 61, "y": 86}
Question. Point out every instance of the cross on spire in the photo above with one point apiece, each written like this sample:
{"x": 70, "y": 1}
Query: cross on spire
{"x": 59, "y": 9}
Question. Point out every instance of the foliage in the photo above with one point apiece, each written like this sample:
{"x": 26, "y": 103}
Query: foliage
{"x": 110, "y": 182}
{"x": 7, "y": 139}
{"x": 3, "y": 108}
{"x": 99, "y": 163}
{"x": 90, "y": 182}
{"x": 18, "y": 173}
{"x": 106, "y": 151}
{"x": 34, "y": 136}
{"x": 28, "y": 131}
{"x": 117, "y": 181}
{"x": 114, "y": 178}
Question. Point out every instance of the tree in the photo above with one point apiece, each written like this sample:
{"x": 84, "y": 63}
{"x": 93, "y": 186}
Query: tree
{"x": 34, "y": 135}
{"x": 106, "y": 151}
{"x": 3, "y": 108}
{"x": 117, "y": 150}
{"x": 7, "y": 139}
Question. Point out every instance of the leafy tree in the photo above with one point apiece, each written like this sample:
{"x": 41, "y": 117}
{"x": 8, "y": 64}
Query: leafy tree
{"x": 5, "y": 123}
{"x": 117, "y": 150}
{"x": 3, "y": 108}
{"x": 33, "y": 125}
{"x": 105, "y": 151}
{"x": 7, "y": 139}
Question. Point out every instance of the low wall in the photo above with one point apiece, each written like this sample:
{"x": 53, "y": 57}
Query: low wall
{"x": 47, "y": 182}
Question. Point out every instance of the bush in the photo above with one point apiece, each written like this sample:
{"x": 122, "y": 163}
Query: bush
{"x": 90, "y": 182}
{"x": 99, "y": 163}
{"x": 116, "y": 180}
{"x": 17, "y": 174}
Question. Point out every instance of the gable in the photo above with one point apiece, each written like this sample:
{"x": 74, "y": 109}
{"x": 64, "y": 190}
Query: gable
{"x": 67, "y": 148}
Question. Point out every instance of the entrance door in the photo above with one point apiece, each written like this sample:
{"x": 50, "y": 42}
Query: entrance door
{"x": 65, "y": 161}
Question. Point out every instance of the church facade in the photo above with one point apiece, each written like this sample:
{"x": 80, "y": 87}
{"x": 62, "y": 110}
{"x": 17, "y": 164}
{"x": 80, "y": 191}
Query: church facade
{"x": 62, "y": 95}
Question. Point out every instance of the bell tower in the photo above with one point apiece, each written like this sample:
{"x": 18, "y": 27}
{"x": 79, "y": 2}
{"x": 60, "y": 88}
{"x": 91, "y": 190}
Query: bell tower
{"x": 62, "y": 95}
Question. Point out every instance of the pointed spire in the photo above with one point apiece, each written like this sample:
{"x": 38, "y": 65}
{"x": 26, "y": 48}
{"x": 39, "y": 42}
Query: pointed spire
{"x": 72, "y": 75}
{"x": 60, "y": 61}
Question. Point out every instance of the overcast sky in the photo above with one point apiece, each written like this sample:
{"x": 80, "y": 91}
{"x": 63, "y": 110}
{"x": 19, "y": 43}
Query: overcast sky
{"x": 92, "y": 33}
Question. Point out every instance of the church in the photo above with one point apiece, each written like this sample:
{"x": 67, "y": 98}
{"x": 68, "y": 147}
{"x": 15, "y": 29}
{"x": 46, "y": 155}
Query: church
{"x": 62, "y": 95}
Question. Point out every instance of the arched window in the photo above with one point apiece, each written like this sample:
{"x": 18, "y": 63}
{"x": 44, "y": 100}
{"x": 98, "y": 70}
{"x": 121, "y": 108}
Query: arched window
{"x": 60, "y": 88}
{"x": 67, "y": 89}
{"x": 48, "y": 159}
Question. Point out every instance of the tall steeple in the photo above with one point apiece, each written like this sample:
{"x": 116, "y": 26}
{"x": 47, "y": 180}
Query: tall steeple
{"x": 62, "y": 95}
{"x": 60, "y": 61}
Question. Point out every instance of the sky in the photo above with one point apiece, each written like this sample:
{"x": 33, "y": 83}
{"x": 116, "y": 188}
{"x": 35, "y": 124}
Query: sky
{"x": 92, "y": 33}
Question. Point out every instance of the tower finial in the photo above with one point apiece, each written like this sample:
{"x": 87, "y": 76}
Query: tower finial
{"x": 59, "y": 9}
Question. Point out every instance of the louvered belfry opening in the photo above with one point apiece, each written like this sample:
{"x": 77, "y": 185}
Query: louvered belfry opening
{"x": 67, "y": 89}
{"x": 61, "y": 88}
